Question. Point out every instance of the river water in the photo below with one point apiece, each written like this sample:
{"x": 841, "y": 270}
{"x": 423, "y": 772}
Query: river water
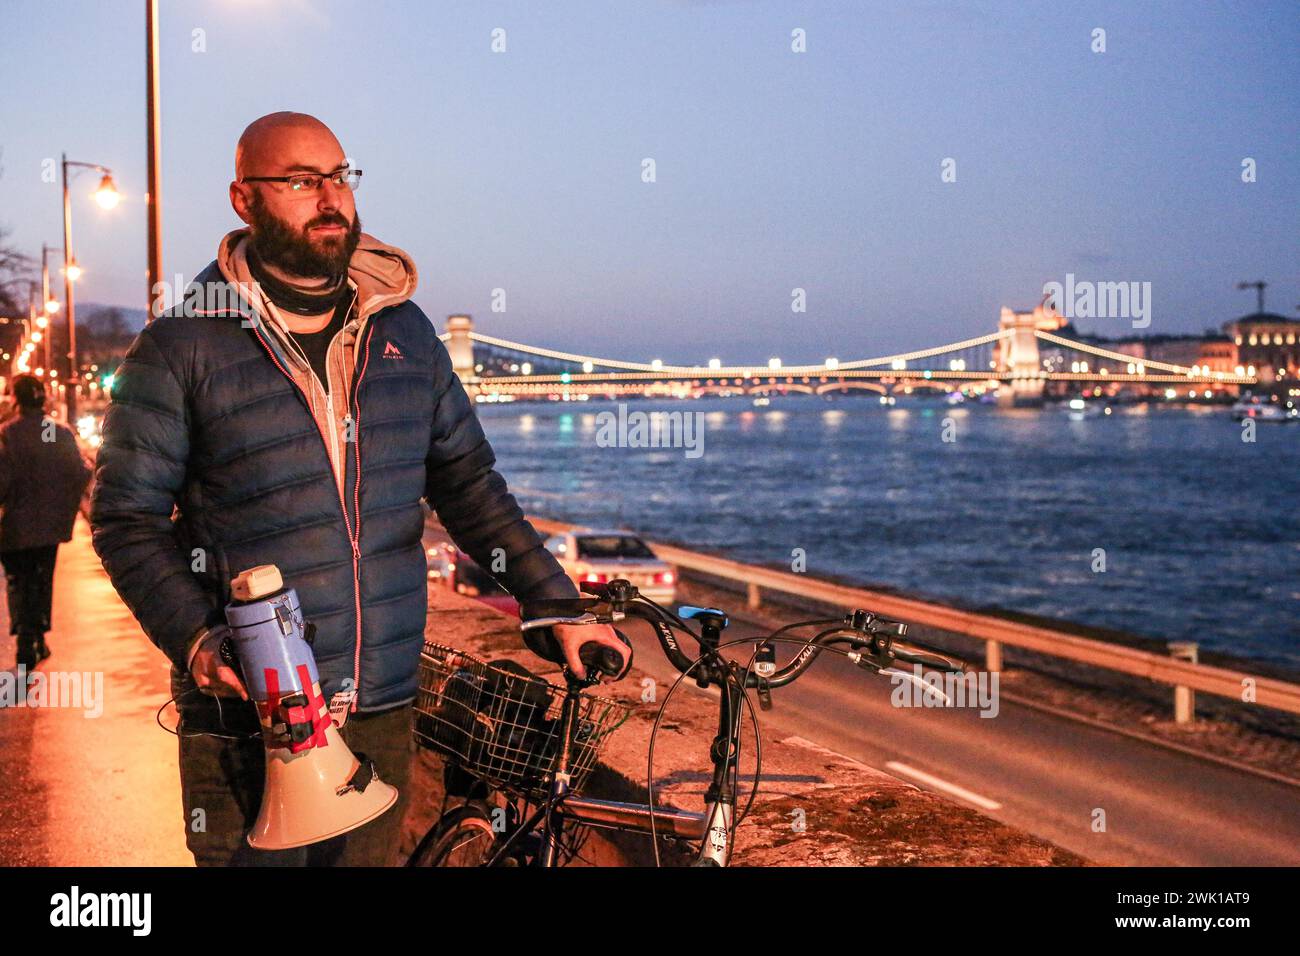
{"x": 1199, "y": 531}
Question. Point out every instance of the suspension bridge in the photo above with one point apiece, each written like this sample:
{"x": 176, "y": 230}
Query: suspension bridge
{"x": 1023, "y": 362}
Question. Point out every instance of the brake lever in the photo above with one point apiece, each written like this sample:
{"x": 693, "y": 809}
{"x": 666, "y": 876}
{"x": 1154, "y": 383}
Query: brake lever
{"x": 920, "y": 684}
{"x": 586, "y": 618}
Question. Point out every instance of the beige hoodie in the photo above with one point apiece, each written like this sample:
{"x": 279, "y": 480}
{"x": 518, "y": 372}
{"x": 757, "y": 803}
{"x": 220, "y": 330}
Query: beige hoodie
{"x": 380, "y": 276}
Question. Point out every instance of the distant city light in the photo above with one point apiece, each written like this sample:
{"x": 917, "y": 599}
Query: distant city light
{"x": 715, "y": 363}
{"x": 656, "y": 364}
{"x": 587, "y": 367}
{"x": 774, "y": 363}
{"x": 526, "y": 368}
{"x": 832, "y": 363}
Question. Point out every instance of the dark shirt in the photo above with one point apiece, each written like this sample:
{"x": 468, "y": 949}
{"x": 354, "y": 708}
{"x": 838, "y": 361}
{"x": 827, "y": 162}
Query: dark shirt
{"x": 315, "y": 345}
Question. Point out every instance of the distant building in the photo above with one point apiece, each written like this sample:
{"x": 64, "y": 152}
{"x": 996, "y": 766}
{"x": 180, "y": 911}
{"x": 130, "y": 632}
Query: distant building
{"x": 1267, "y": 343}
{"x": 1218, "y": 354}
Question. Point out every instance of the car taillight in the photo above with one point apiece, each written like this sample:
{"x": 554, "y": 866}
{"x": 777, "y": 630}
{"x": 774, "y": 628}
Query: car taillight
{"x": 667, "y": 577}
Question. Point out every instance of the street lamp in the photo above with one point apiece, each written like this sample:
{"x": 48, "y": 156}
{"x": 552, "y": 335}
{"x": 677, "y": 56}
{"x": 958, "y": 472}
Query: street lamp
{"x": 107, "y": 196}
{"x": 51, "y": 304}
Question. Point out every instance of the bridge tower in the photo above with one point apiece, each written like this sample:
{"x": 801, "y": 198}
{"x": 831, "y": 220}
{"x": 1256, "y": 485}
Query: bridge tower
{"x": 460, "y": 346}
{"x": 1017, "y": 355}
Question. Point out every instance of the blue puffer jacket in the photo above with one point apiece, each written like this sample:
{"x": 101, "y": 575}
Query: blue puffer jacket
{"x": 205, "y": 422}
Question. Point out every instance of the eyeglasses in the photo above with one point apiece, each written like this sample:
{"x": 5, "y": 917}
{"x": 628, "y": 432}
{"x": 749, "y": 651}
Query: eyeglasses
{"x": 304, "y": 183}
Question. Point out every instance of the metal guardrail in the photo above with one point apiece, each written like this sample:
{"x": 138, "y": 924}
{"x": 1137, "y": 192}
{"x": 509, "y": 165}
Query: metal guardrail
{"x": 1185, "y": 676}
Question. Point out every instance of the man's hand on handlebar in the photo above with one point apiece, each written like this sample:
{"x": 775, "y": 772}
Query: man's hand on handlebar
{"x": 571, "y": 637}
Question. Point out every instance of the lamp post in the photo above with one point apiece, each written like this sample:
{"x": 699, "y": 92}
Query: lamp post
{"x": 153, "y": 122}
{"x": 107, "y": 197}
{"x": 49, "y": 304}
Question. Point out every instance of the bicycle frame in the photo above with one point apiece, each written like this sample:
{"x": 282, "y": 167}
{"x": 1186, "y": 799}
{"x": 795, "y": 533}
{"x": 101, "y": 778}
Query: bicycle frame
{"x": 712, "y": 828}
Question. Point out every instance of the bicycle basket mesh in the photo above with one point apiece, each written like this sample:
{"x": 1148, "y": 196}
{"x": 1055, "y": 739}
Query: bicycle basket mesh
{"x": 501, "y": 723}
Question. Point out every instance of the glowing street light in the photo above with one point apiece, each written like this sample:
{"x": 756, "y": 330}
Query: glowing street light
{"x": 774, "y": 363}
{"x": 107, "y": 195}
{"x": 715, "y": 363}
{"x": 832, "y": 363}
{"x": 72, "y": 271}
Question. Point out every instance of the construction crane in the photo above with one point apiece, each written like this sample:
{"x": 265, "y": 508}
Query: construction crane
{"x": 1259, "y": 288}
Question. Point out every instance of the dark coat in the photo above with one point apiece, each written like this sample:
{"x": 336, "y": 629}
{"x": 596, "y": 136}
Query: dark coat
{"x": 42, "y": 478}
{"x": 204, "y": 418}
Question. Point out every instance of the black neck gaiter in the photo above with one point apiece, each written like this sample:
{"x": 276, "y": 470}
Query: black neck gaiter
{"x": 292, "y": 298}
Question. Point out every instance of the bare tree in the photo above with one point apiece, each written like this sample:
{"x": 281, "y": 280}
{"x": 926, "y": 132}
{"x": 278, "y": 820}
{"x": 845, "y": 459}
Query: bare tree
{"x": 16, "y": 271}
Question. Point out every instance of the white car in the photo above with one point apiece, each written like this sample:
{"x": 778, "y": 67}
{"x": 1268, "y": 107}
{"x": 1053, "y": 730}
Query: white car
{"x": 599, "y": 556}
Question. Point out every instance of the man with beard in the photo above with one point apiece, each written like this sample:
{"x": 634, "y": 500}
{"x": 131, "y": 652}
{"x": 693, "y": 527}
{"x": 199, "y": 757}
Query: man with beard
{"x": 295, "y": 410}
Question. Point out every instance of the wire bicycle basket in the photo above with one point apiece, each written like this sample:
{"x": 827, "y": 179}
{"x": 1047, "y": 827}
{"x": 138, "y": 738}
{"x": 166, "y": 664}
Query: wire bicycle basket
{"x": 501, "y": 723}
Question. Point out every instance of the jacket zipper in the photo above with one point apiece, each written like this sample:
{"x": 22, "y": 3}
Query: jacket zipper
{"x": 356, "y": 506}
{"x": 347, "y": 523}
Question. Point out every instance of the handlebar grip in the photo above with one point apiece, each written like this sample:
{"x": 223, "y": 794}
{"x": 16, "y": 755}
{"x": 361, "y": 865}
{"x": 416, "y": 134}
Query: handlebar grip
{"x": 603, "y": 659}
{"x": 596, "y": 658}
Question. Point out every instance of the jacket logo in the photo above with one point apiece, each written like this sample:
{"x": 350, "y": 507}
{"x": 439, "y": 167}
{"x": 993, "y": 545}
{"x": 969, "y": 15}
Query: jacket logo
{"x": 392, "y": 351}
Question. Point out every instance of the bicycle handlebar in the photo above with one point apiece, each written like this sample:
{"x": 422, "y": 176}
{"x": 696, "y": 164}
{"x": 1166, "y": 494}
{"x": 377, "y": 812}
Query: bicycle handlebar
{"x": 869, "y": 638}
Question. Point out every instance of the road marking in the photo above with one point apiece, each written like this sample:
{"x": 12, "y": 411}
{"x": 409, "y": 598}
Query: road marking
{"x": 818, "y": 748}
{"x": 961, "y": 793}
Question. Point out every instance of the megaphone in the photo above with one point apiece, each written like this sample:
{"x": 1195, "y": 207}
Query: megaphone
{"x": 316, "y": 788}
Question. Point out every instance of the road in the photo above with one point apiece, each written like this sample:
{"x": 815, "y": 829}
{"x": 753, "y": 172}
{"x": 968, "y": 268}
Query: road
{"x": 1044, "y": 774}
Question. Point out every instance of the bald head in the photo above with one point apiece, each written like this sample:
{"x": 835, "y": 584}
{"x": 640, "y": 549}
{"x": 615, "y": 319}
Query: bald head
{"x": 275, "y": 142}
{"x": 309, "y": 231}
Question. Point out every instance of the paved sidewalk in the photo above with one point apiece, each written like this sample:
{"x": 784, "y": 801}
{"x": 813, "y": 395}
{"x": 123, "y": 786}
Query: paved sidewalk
{"x": 80, "y": 790}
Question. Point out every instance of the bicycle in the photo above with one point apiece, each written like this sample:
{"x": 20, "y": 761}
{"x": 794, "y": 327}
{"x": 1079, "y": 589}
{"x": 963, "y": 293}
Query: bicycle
{"x": 518, "y": 749}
